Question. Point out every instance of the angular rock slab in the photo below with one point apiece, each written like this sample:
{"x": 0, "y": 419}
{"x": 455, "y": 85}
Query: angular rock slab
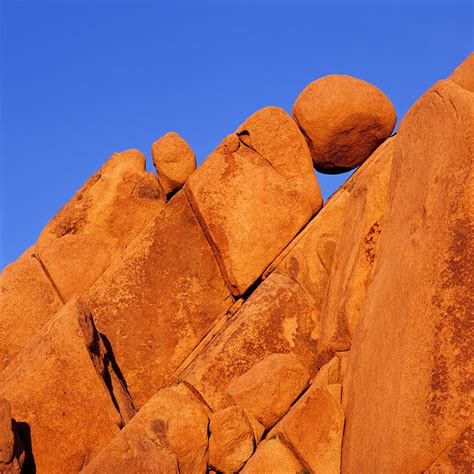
{"x": 29, "y": 300}
{"x": 59, "y": 397}
{"x": 410, "y": 375}
{"x": 269, "y": 388}
{"x": 313, "y": 428}
{"x": 355, "y": 253}
{"x": 160, "y": 299}
{"x": 171, "y": 427}
{"x": 277, "y": 318}
{"x": 254, "y": 193}
{"x": 97, "y": 224}
{"x": 274, "y": 457}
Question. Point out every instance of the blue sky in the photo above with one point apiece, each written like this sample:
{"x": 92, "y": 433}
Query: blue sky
{"x": 83, "y": 79}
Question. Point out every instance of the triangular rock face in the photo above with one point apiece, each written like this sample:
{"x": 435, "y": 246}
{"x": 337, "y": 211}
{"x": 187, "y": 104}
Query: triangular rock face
{"x": 77, "y": 246}
{"x": 239, "y": 326}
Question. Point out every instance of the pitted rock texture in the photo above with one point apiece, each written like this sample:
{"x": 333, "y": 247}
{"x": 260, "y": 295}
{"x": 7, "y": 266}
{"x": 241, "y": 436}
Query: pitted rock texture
{"x": 344, "y": 119}
{"x": 237, "y": 324}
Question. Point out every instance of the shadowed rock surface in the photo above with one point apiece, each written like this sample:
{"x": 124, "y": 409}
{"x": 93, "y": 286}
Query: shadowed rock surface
{"x": 231, "y": 322}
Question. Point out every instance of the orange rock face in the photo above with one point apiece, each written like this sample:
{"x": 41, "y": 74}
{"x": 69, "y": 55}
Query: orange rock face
{"x": 232, "y": 439}
{"x": 355, "y": 253}
{"x": 160, "y": 299}
{"x": 236, "y": 325}
{"x": 29, "y": 299}
{"x": 59, "y": 395}
{"x": 410, "y": 362}
{"x": 254, "y": 193}
{"x": 269, "y": 388}
{"x": 12, "y": 455}
{"x": 171, "y": 428}
{"x": 278, "y": 318}
{"x": 273, "y": 456}
{"x": 174, "y": 161}
{"x": 344, "y": 120}
{"x": 97, "y": 224}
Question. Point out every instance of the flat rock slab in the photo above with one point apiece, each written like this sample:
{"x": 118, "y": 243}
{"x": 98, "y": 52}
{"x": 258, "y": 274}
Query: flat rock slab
{"x": 278, "y": 318}
{"x": 254, "y": 193}
{"x": 160, "y": 299}
{"x": 409, "y": 377}
{"x": 58, "y": 396}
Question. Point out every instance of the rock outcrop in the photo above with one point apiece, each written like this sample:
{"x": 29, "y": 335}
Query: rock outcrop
{"x": 174, "y": 161}
{"x": 223, "y": 320}
{"x": 344, "y": 120}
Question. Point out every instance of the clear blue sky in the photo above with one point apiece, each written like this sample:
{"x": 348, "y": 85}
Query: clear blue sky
{"x": 81, "y": 80}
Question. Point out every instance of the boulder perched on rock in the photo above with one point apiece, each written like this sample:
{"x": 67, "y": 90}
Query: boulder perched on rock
{"x": 174, "y": 161}
{"x": 344, "y": 120}
{"x": 269, "y": 388}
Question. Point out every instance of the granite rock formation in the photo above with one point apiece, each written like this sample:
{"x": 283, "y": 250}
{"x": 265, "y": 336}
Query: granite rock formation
{"x": 223, "y": 319}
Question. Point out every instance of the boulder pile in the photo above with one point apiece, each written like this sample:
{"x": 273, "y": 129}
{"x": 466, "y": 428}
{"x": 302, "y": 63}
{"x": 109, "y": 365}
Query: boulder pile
{"x": 224, "y": 319}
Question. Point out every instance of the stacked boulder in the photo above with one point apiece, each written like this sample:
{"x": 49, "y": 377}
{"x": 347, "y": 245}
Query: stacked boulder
{"x": 222, "y": 319}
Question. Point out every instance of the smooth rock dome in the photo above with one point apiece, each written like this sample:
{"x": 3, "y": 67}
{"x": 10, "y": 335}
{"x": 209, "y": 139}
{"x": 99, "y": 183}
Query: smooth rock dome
{"x": 344, "y": 119}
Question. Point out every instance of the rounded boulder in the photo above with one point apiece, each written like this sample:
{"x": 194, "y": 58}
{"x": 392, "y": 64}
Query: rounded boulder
{"x": 344, "y": 119}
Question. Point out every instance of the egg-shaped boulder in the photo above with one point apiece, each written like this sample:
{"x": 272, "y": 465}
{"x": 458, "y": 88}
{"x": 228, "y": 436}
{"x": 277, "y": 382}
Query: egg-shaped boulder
{"x": 344, "y": 119}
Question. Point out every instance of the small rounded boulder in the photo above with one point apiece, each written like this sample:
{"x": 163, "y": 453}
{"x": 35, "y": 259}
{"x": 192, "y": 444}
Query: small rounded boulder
{"x": 344, "y": 119}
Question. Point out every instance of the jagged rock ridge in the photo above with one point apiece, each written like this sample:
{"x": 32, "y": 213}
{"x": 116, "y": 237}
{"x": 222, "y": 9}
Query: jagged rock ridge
{"x": 222, "y": 319}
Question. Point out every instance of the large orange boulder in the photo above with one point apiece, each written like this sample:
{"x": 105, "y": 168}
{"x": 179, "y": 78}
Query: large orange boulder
{"x": 344, "y": 119}
{"x": 172, "y": 427}
{"x": 355, "y": 253}
{"x": 160, "y": 299}
{"x": 410, "y": 379}
{"x": 277, "y": 318}
{"x": 174, "y": 161}
{"x": 29, "y": 299}
{"x": 59, "y": 388}
{"x": 254, "y": 193}
{"x": 98, "y": 223}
